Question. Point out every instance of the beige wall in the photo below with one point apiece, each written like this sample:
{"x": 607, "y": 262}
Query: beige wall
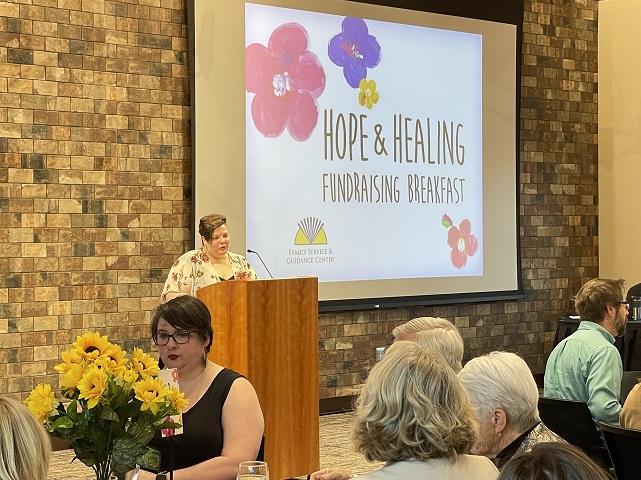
{"x": 620, "y": 140}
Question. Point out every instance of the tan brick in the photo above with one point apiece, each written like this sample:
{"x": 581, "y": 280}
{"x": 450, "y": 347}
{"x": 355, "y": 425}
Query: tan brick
{"x": 93, "y": 263}
{"x": 19, "y": 85}
{"x": 48, "y": 352}
{"x": 21, "y": 235}
{"x": 34, "y": 250}
{"x": 10, "y": 130}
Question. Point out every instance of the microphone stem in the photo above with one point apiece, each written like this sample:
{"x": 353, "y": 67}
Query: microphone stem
{"x": 261, "y": 261}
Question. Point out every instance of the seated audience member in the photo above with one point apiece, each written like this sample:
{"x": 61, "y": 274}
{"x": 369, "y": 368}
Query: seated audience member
{"x": 436, "y": 334}
{"x": 631, "y": 411}
{"x": 553, "y": 461}
{"x": 586, "y": 366}
{"x": 223, "y": 423}
{"x": 505, "y": 398}
{"x": 414, "y": 414}
{"x": 25, "y": 446}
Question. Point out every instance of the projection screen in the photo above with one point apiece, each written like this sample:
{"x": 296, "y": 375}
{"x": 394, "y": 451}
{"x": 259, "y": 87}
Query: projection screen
{"x": 373, "y": 147}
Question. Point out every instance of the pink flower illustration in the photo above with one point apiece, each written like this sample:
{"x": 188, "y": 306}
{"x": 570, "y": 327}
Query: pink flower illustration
{"x": 286, "y": 79}
{"x": 462, "y": 242}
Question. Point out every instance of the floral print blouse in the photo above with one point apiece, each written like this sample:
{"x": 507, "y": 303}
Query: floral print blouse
{"x": 193, "y": 270}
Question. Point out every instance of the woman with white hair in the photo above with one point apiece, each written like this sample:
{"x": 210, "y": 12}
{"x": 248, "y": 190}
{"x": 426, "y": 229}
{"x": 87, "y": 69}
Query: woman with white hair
{"x": 505, "y": 397}
{"x": 414, "y": 414}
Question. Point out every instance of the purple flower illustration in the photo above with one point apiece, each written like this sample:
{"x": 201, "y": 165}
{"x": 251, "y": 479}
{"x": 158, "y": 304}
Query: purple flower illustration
{"x": 355, "y": 50}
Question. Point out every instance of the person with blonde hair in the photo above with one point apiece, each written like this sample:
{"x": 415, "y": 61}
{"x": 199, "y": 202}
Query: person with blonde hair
{"x": 553, "y": 461}
{"x": 414, "y": 414}
{"x": 505, "y": 397}
{"x": 435, "y": 334}
{"x": 25, "y": 446}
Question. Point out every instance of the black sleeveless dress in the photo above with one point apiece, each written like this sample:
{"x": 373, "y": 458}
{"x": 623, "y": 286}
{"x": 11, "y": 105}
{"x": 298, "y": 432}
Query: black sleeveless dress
{"x": 202, "y": 436}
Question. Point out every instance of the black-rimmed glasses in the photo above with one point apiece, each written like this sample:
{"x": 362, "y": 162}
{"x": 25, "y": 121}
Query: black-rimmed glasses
{"x": 179, "y": 336}
{"x": 626, "y": 305}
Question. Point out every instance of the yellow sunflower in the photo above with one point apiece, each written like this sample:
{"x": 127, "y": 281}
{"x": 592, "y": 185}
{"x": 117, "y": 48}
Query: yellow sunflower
{"x": 177, "y": 399}
{"x": 144, "y": 363}
{"x": 130, "y": 375}
{"x": 152, "y": 393}
{"x": 92, "y": 385}
{"x": 114, "y": 361}
{"x": 72, "y": 377}
{"x": 42, "y": 402}
{"x": 69, "y": 358}
{"x": 93, "y": 345}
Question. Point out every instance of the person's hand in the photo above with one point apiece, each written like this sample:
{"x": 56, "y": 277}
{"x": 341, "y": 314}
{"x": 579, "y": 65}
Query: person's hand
{"x": 143, "y": 475}
{"x": 243, "y": 275}
{"x": 329, "y": 474}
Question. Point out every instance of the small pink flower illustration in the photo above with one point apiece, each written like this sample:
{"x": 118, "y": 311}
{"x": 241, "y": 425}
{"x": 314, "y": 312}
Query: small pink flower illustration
{"x": 286, "y": 79}
{"x": 462, "y": 242}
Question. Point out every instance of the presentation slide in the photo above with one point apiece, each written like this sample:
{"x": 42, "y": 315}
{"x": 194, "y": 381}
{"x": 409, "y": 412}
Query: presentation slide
{"x": 370, "y": 146}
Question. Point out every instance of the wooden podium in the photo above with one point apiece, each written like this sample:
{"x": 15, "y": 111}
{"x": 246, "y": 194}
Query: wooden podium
{"x": 267, "y": 330}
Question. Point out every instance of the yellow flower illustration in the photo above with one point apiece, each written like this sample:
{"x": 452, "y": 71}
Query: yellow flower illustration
{"x": 144, "y": 364}
{"x": 91, "y": 385}
{"x": 152, "y": 393}
{"x": 93, "y": 345}
{"x": 177, "y": 399}
{"x": 42, "y": 402}
{"x": 367, "y": 96}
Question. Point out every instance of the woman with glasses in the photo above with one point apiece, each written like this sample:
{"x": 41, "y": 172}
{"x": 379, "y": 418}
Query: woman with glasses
{"x": 212, "y": 263}
{"x": 223, "y": 423}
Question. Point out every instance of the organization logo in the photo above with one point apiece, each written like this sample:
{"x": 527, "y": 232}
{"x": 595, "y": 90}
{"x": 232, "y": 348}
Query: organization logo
{"x": 311, "y": 241}
{"x": 310, "y": 232}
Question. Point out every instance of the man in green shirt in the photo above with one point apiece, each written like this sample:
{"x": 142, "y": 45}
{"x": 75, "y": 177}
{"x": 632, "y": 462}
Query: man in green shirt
{"x": 586, "y": 366}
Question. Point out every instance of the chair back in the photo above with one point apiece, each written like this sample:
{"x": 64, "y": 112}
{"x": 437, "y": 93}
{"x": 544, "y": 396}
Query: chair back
{"x": 624, "y": 445}
{"x": 572, "y": 420}
{"x": 628, "y": 381}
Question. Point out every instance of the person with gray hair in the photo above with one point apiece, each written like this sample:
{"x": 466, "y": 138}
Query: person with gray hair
{"x": 435, "y": 334}
{"x": 505, "y": 398}
{"x": 414, "y": 414}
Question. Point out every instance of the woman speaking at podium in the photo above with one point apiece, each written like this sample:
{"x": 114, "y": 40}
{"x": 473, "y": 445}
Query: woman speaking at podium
{"x": 212, "y": 263}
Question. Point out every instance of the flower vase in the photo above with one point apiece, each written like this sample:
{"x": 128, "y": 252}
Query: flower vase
{"x": 103, "y": 471}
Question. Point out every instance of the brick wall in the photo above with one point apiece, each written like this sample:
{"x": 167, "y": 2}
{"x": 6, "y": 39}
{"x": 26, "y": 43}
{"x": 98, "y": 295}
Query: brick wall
{"x": 95, "y": 176}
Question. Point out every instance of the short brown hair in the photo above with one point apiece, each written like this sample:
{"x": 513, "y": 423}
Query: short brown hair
{"x": 552, "y": 461}
{"x": 188, "y": 313}
{"x": 413, "y": 406}
{"x": 596, "y": 296}
{"x": 209, "y": 223}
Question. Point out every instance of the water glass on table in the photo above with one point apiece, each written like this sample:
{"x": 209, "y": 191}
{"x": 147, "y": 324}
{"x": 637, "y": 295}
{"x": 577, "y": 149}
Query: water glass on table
{"x": 252, "y": 471}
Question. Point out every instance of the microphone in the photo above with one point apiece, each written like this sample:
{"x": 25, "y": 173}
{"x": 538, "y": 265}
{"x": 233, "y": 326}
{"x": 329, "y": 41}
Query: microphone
{"x": 249, "y": 250}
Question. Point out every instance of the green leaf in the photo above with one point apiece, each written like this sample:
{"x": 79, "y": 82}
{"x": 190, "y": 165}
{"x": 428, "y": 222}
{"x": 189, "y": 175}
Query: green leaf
{"x": 72, "y": 410}
{"x": 63, "y": 422}
{"x": 126, "y": 452}
{"x": 150, "y": 460}
{"x": 142, "y": 432}
{"x": 108, "y": 414}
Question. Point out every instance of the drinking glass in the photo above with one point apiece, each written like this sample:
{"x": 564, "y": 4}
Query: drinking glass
{"x": 252, "y": 471}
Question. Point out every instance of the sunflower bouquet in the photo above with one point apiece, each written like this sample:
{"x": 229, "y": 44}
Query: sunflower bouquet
{"x": 114, "y": 406}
